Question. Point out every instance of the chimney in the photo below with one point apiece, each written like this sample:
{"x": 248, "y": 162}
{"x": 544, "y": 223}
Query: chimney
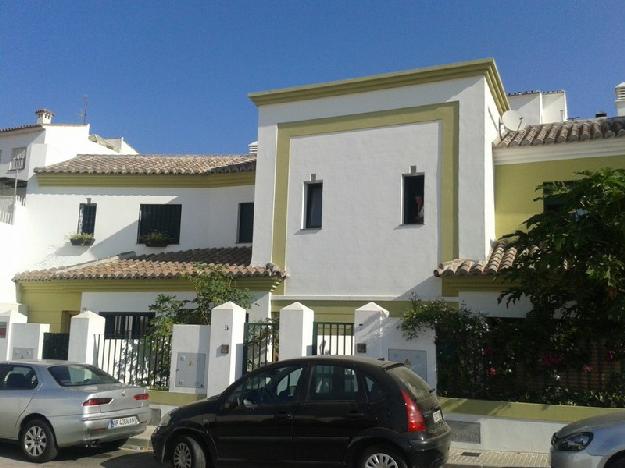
{"x": 252, "y": 148}
{"x": 620, "y": 99}
{"x": 44, "y": 116}
{"x": 601, "y": 114}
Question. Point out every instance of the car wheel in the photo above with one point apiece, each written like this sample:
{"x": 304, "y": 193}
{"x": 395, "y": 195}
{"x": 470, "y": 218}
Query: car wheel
{"x": 37, "y": 441}
{"x": 187, "y": 453}
{"x": 381, "y": 456}
{"x": 617, "y": 461}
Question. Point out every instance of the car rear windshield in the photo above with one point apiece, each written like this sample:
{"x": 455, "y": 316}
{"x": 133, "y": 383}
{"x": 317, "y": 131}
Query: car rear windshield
{"x": 75, "y": 375}
{"x": 415, "y": 385}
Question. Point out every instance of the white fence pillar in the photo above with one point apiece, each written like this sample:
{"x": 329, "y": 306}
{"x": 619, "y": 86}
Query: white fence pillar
{"x": 369, "y": 323}
{"x": 296, "y": 331}
{"x": 27, "y": 340}
{"x": 83, "y": 329}
{"x": 225, "y": 357}
{"x": 189, "y": 359}
{"x": 7, "y": 319}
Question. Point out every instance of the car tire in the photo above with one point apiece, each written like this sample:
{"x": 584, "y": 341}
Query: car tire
{"x": 617, "y": 461}
{"x": 381, "y": 456}
{"x": 37, "y": 441}
{"x": 187, "y": 453}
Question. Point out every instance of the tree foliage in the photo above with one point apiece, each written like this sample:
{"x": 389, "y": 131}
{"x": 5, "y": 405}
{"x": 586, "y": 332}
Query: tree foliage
{"x": 571, "y": 261}
{"x": 212, "y": 286}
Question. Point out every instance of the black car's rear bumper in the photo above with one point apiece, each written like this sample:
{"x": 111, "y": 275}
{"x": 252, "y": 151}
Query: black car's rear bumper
{"x": 158, "y": 444}
{"x": 429, "y": 453}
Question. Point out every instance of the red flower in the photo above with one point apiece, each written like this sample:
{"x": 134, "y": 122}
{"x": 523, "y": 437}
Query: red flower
{"x": 492, "y": 372}
{"x": 587, "y": 369}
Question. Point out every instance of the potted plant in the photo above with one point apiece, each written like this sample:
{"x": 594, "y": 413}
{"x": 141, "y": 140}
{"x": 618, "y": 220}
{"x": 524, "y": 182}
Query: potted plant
{"x": 82, "y": 238}
{"x": 156, "y": 239}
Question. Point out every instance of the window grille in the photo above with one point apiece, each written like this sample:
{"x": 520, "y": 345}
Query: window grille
{"x": 126, "y": 325}
{"x": 246, "y": 222}
{"x": 86, "y": 218}
{"x": 414, "y": 200}
{"x": 314, "y": 205}
{"x": 164, "y": 219}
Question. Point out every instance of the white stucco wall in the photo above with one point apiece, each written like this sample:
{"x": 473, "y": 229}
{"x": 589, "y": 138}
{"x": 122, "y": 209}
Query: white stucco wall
{"x": 555, "y": 107}
{"x": 474, "y": 235}
{"x": 486, "y": 303}
{"x": 362, "y": 233}
{"x": 209, "y": 219}
{"x": 530, "y": 106}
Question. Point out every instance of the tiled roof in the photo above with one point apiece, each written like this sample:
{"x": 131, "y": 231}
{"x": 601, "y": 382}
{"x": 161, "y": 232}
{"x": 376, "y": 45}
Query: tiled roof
{"x": 165, "y": 265}
{"x": 21, "y": 127}
{"x": 151, "y": 164}
{"x": 564, "y": 132}
{"x": 500, "y": 258}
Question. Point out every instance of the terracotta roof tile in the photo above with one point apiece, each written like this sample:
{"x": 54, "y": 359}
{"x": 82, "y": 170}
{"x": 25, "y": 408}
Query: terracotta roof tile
{"x": 20, "y": 127}
{"x": 565, "y": 132}
{"x": 152, "y": 164}
{"x": 500, "y": 258}
{"x": 165, "y": 265}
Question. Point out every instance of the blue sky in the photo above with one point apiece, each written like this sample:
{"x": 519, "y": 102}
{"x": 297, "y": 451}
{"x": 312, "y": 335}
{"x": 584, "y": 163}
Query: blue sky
{"x": 173, "y": 77}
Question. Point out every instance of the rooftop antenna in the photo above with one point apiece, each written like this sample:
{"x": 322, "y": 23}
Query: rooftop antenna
{"x": 83, "y": 112}
{"x": 512, "y": 120}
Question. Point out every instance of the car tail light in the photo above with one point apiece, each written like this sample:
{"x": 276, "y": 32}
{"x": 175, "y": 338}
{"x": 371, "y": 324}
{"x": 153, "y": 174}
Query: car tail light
{"x": 142, "y": 396}
{"x": 416, "y": 422}
{"x": 97, "y": 402}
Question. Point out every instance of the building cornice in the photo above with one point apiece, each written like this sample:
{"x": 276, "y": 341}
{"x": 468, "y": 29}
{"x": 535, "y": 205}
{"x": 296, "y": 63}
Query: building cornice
{"x": 485, "y": 67}
{"x": 559, "y": 152}
{"x": 146, "y": 180}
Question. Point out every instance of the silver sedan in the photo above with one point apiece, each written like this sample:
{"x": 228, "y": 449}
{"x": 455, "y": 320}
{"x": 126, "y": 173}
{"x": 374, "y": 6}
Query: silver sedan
{"x": 50, "y": 404}
{"x": 596, "y": 442}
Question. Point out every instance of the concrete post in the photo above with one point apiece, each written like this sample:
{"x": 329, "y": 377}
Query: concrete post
{"x": 296, "y": 331}
{"x": 225, "y": 356}
{"x": 189, "y": 363}
{"x": 82, "y": 342}
{"x": 369, "y": 322}
{"x": 27, "y": 340}
{"x": 7, "y": 319}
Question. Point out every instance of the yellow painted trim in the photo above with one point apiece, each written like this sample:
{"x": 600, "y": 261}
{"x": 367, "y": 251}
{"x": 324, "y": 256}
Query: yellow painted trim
{"x": 485, "y": 67}
{"x": 453, "y": 285}
{"x": 147, "y": 180}
{"x": 48, "y": 306}
{"x": 159, "y": 397}
{"x": 340, "y": 311}
{"x": 78, "y": 286}
{"x": 446, "y": 113}
{"x": 515, "y": 186}
{"x": 525, "y": 411}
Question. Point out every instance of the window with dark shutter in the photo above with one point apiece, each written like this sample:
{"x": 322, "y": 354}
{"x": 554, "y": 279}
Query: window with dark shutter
{"x": 126, "y": 325}
{"x": 414, "y": 201}
{"x": 86, "y": 218}
{"x": 163, "y": 219}
{"x": 314, "y": 205}
{"x": 246, "y": 222}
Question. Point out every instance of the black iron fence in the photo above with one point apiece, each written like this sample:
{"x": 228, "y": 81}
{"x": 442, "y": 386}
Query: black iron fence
{"x": 333, "y": 338}
{"x": 136, "y": 361}
{"x": 55, "y": 346}
{"x": 261, "y": 345}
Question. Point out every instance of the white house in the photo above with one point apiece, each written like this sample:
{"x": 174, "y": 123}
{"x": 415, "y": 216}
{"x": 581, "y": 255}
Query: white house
{"x": 369, "y": 189}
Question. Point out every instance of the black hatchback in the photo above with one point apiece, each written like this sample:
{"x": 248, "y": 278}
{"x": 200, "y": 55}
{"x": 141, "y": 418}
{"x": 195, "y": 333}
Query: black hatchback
{"x": 320, "y": 411}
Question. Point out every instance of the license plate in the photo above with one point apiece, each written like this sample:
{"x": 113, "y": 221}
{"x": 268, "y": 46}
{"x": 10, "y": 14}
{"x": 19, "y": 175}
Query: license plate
{"x": 437, "y": 416}
{"x": 123, "y": 422}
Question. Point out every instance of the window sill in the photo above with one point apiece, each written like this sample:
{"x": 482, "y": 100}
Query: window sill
{"x": 308, "y": 230}
{"x": 410, "y": 225}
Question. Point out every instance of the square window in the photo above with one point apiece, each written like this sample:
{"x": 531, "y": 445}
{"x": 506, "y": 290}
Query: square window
{"x": 86, "y": 218}
{"x": 246, "y": 222}
{"x": 162, "y": 219}
{"x": 126, "y": 325}
{"x": 314, "y": 205}
{"x": 414, "y": 201}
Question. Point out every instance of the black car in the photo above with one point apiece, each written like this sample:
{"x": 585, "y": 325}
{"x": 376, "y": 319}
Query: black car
{"x": 319, "y": 411}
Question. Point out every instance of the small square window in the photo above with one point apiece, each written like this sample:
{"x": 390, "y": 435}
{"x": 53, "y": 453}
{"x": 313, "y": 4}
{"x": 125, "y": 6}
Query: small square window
{"x": 314, "y": 205}
{"x": 414, "y": 201}
{"x": 161, "y": 219}
{"x": 246, "y": 222}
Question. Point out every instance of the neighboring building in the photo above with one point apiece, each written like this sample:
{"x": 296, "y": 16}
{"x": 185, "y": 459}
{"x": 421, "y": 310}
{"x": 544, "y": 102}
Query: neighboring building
{"x": 22, "y": 149}
{"x": 360, "y": 188}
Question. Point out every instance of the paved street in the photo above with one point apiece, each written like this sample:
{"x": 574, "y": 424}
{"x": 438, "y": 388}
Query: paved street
{"x": 10, "y": 457}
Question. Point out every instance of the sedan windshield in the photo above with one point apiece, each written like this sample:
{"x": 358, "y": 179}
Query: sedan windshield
{"x": 76, "y": 375}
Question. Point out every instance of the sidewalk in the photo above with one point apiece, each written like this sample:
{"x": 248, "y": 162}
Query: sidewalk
{"x": 471, "y": 458}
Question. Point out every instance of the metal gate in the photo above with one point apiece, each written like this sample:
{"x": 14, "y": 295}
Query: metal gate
{"x": 333, "y": 338}
{"x": 55, "y": 346}
{"x": 260, "y": 345}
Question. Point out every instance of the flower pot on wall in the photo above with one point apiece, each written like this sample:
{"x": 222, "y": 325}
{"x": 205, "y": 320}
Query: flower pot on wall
{"x": 82, "y": 240}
